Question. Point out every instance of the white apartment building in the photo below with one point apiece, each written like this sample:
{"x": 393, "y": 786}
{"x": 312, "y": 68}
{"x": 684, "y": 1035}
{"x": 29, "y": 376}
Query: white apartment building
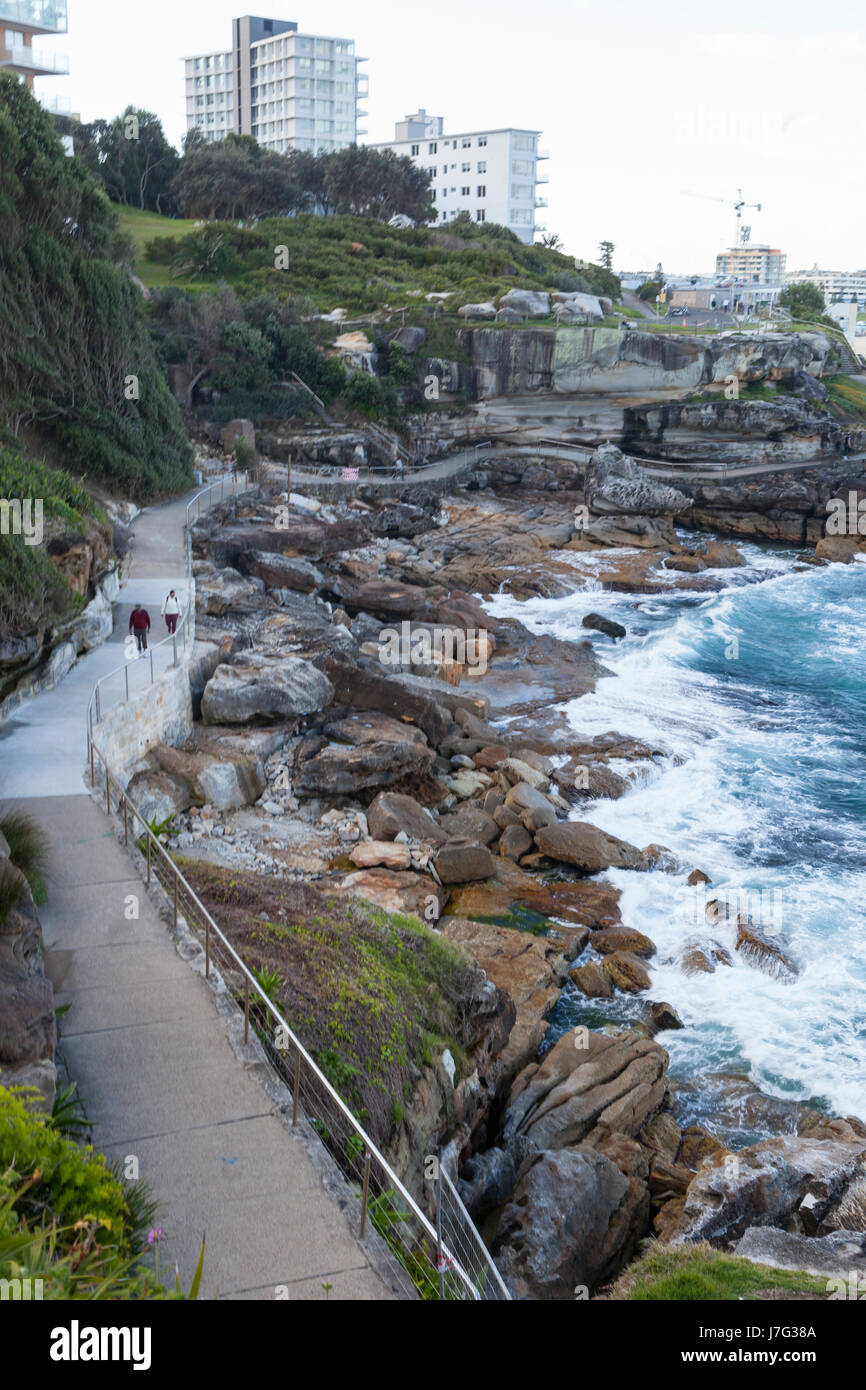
{"x": 490, "y": 174}
{"x": 833, "y": 284}
{"x": 752, "y": 264}
{"x": 291, "y": 91}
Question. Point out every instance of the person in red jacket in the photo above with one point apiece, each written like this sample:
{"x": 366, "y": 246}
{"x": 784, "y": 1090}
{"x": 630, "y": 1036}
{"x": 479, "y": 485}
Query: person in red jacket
{"x": 139, "y": 625}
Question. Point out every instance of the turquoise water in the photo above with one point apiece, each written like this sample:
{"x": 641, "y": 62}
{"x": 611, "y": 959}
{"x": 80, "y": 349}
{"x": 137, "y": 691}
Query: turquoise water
{"x": 757, "y": 695}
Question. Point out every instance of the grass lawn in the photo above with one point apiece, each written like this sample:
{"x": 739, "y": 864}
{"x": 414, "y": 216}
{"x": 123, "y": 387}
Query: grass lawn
{"x": 700, "y": 1273}
{"x": 848, "y": 394}
{"x": 141, "y": 227}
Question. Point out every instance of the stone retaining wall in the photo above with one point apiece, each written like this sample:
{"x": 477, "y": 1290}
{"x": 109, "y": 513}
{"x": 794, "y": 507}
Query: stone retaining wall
{"x": 160, "y": 714}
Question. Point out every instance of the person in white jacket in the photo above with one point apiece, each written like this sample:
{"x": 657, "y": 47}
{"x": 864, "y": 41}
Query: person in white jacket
{"x": 171, "y": 610}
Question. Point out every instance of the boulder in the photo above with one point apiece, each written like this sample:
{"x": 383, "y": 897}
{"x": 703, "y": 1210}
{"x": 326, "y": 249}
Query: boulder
{"x": 281, "y": 571}
{"x": 396, "y": 891}
{"x": 341, "y": 769}
{"x": 462, "y": 861}
{"x": 370, "y": 853}
{"x": 605, "y": 625}
{"x": 515, "y": 842}
{"x": 365, "y": 689}
{"x": 401, "y": 519}
{"x": 587, "y": 848}
{"x": 620, "y": 938}
{"x": 627, "y": 972}
{"x": 664, "y": 1016}
{"x": 531, "y": 805}
{"x": 530, "y": 303}
{"x": 392, "y": 812}
{"x": 516, "y": 771}
{"x": 490, "y": 757}
{"x": 530, "y": 969}
{"x": 470, "y": 823}
{"x": 592, "y": 981}
{"x": 258, "y": 688}
{"x": 218, "y": 592}
{"x": 487, "y": 1181}
{"x": 487, "y": 310}
{"x": 588, "y": 1085}
{"x": 615, "y": 483}
{"x": 574, "y": 1220}
{"x": 790, "y": 1181}
{"x": 757, "y": 946}
{"x": 836, "y": 1257}
{"x": 701, "y": 955}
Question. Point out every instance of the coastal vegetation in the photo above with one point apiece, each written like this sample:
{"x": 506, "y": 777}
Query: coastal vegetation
{"x": 77, "y": 363}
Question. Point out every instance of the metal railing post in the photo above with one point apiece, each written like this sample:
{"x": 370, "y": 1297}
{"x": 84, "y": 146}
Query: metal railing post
{"x": 440, "y": 1262}
{"x": 296, "y": 1090}
{"x": 151, "y": 666}
{"x": 125, "y": 822}
{"x": 246, "y": 1009}
{"x": 147, "y": 837}
{"x": 107, "y": 792}
{"x": 92, "y": 774}
{"x": 207, "y": 949}
{"x": 365, "y": 1190}
{"x": 126, "y": 674}
{"x": 175, "y": 900}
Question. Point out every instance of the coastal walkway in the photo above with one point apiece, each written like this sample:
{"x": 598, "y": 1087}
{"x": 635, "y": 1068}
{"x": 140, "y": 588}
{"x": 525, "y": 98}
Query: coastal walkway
{"x": 142, "y": 1036}
{"x": 459, "y": 464}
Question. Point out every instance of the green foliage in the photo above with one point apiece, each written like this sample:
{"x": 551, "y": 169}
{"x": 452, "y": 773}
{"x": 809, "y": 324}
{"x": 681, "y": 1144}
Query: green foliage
{"x": 69, "y": 1182}
{"x": 72, "y": 323}
{"x": 649, "y": 289}
{"x": 11, "y": 891}
{"x": 237, "y": 178}
{"x": 29, "y": 847}
{"x": 67, "y": 1113}
{"x": 804, "y": 299}
{"x": 129, "y": 156}
{"x": 701, "y": 1274}
{"x": 269, "y": 981}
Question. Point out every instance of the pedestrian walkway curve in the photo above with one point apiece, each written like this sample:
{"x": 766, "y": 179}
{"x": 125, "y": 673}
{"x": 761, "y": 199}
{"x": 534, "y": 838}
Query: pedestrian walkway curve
{"x": 142, "y": 1037}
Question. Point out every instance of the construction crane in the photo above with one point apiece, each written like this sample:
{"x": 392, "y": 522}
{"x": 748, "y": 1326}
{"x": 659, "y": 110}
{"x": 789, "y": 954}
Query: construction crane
{"x": 737, "y": 203}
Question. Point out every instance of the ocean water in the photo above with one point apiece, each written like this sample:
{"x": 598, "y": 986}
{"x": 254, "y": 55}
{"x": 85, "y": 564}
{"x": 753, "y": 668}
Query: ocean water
{"x": 757, "y": 697}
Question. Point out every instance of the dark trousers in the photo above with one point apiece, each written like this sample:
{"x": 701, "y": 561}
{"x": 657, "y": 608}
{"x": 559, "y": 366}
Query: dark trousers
{"x": 141, "y": 638}
{"x": 171, "y": 621}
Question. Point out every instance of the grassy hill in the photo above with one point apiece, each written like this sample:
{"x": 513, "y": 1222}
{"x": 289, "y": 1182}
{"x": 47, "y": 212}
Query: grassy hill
{"x": 352, "y": 262}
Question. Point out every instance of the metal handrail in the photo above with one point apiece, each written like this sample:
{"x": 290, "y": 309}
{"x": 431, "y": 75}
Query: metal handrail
{"x": 253, "y": 993}
{"x": 252, "y": 988}
{"x": 186, "y": 623}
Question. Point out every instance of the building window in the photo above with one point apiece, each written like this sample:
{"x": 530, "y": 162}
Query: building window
{"x": 480, "y": 215}
{"x": 464, "y": 168}
{"x": 482, "y": 166}
{"x": 482, "y": 190}
{"x": 416, "y": 149}
{"x": 466, "y": 144}
{"x": 523, "y": 168}
{"x": 444, "y": 192}
{"x": 465, "y": 191}
{"x": 482, "y": 140}
{"x": 432, "y": 148}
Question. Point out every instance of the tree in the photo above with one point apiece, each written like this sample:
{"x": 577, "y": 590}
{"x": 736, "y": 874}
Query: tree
{"x": 550, "y": 241}
{"x": 649, "y": 289}
{"x": 804, "y": 299}
{"x": 130, "y": 156}
{"x": 607, "y": 249}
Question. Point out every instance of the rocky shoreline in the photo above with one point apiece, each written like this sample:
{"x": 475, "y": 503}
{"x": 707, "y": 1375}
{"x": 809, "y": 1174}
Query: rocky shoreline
{"x": 329, "y": 754}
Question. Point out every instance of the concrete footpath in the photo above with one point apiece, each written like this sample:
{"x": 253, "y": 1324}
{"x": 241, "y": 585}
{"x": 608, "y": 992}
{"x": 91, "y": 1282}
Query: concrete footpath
{"x": 143, "y": 1037}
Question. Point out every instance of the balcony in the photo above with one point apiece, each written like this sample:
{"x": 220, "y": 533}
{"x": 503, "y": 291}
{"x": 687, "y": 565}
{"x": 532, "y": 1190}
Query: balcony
{"x": 36, "y": 16}
{"x": 56, "y": 106}
{"x": 33, "y": 62}
{"x": 542, "y": 177}
{"x": 363, "y": 86}
{"x": 542, "y": 154}
{"x": 541, "y": 202}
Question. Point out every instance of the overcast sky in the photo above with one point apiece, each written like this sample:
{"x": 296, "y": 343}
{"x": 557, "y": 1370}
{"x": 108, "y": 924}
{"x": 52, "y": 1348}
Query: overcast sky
{"x": 638, "y": 104}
